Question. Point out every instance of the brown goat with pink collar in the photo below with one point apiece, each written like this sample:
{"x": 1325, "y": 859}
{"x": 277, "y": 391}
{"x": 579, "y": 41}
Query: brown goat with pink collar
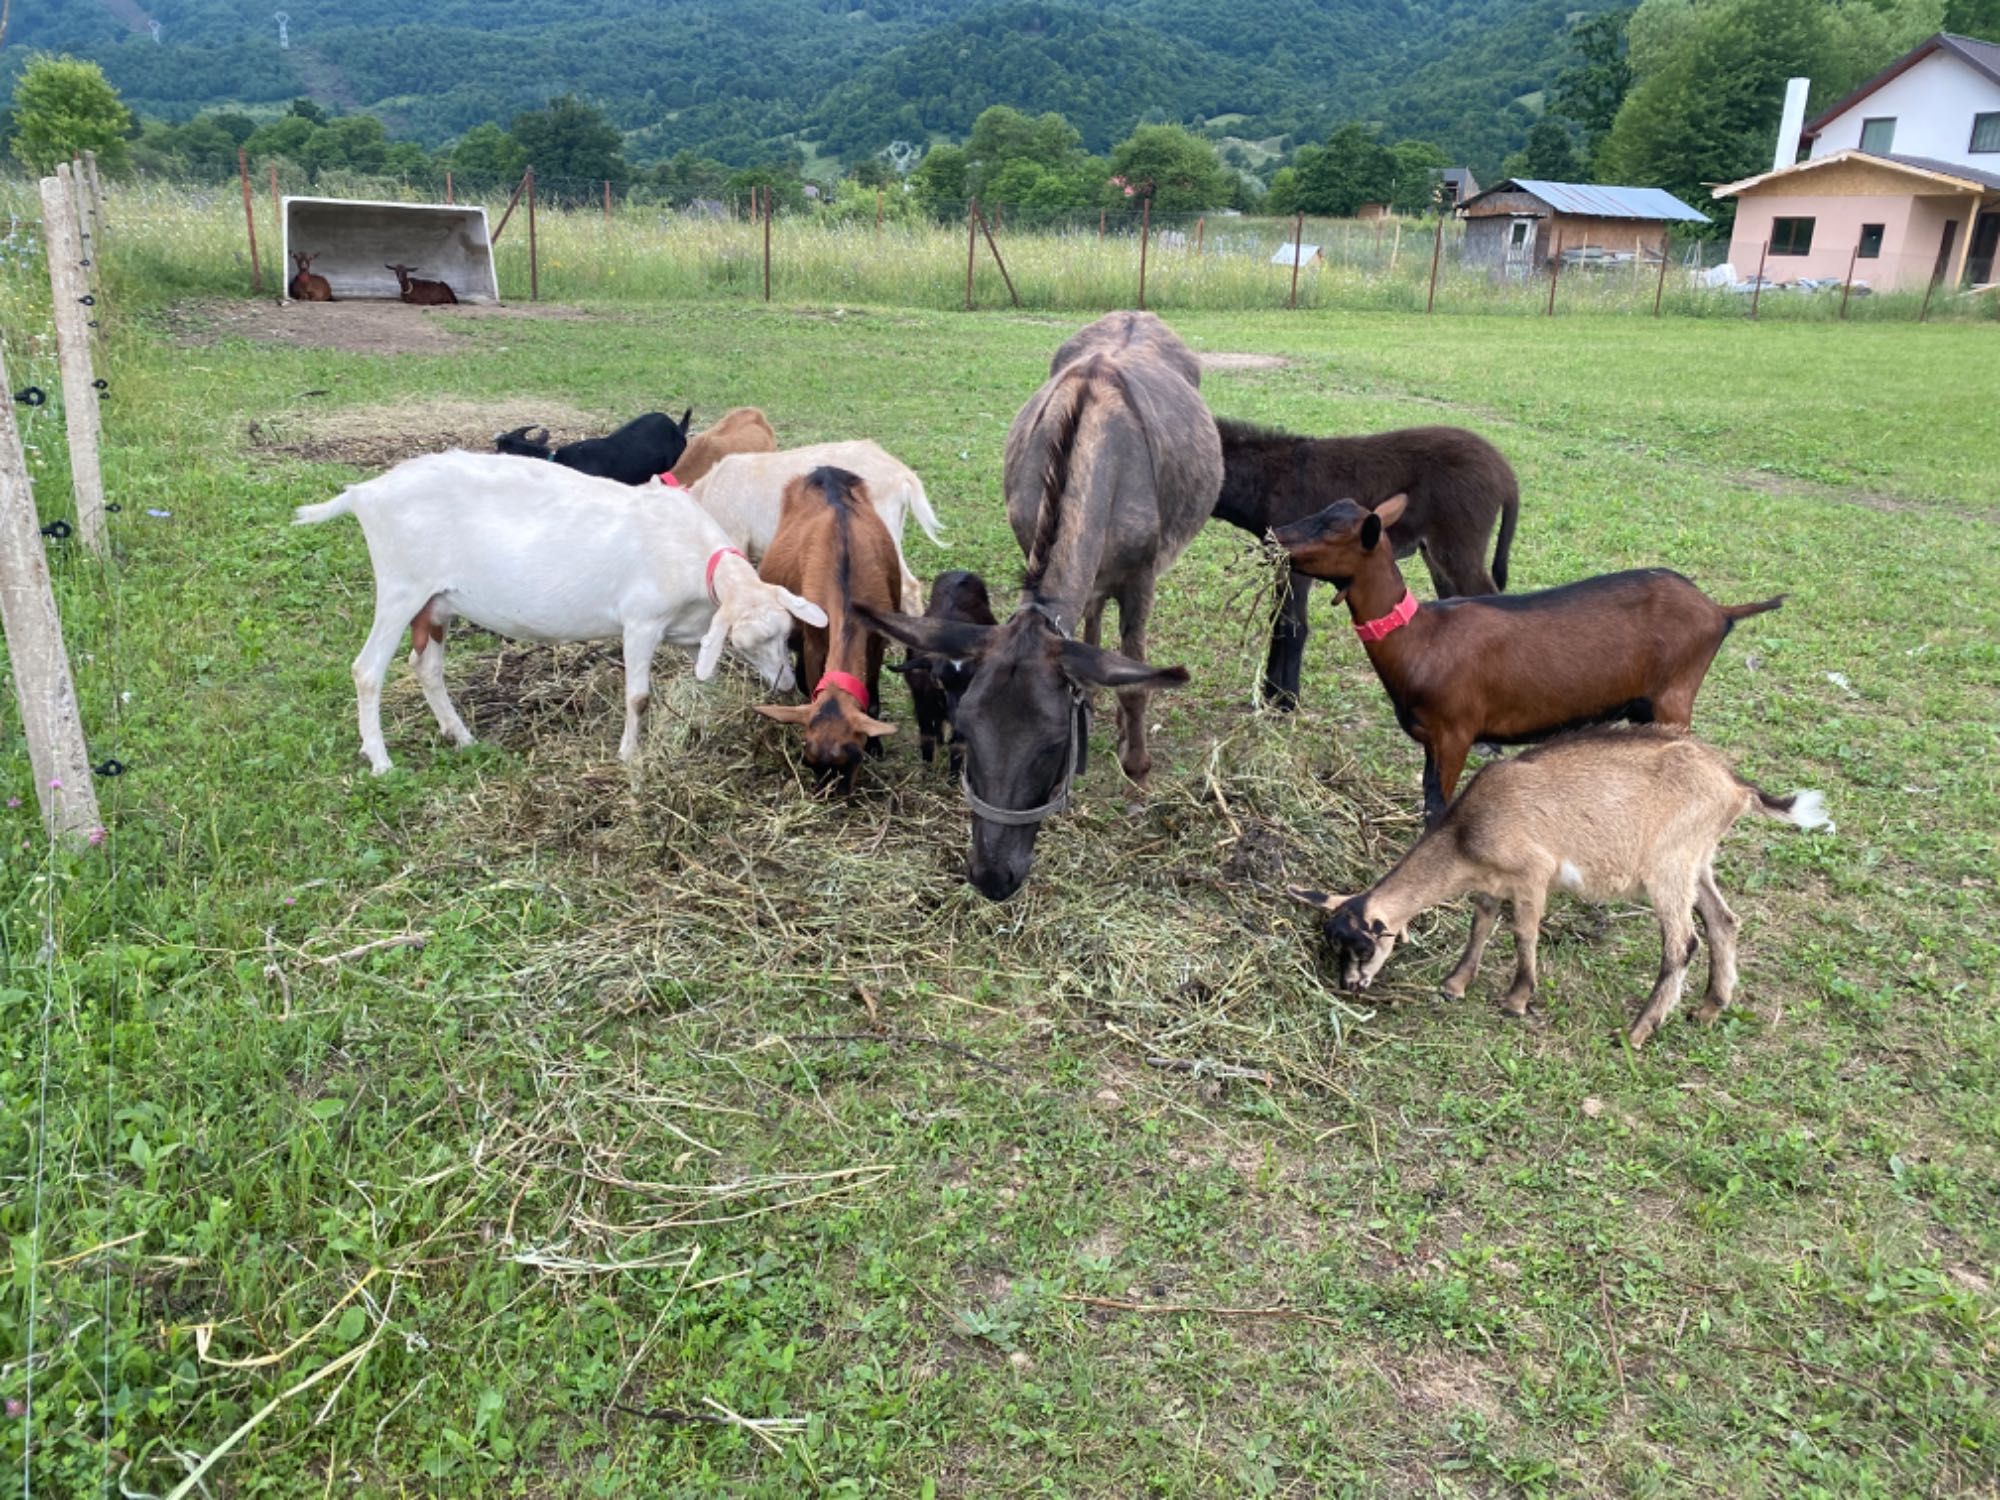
{"x": 1513, "y": 668}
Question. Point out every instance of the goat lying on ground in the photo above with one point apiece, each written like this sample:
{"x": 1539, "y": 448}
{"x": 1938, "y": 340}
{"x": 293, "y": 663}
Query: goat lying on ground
{"x": 1513, "y": 668}
{"x": 643, "y": 449}
{"x": 422, "y": 293}
{"x": 1458, "y": 484}
{"x": 937, "y": 682}
{"x": 832, "y": 548}
{"x": 1606, "y": 814}
{"x": 539, "y": 553}
{"x": 744, "y": 492}
{"x": 305, "y": 286}
{"x": 743, "y": 429}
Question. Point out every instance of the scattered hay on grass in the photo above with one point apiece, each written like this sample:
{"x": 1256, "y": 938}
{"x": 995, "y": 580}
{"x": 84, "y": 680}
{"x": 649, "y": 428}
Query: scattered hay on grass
{"x": 375, "y": 437}
{"x": 719, "y": 881}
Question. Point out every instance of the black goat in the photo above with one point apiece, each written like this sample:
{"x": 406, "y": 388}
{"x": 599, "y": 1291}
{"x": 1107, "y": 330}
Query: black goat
{"x": 644, "y": 448}
{"x": 938, "y": 682}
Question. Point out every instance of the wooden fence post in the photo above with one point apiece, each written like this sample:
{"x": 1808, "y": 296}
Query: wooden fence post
{"x": 447, "y": 186}
{"x": 72, "y": 318}
{"x": 1298, "y": 241}
{"x": 519, "y": 188}
{"x": 278, "y": 225}
{"x": 767, "y": 243}
{"x": 96, "y": 192}
{"x": 1757, "y": 290}
{"x": 249, "y": 219}
{"x": 1145, "y": 235}
{"x": 1555, "y": 270}
{"x": 43, "y": 687}
{"x": 1437, "y": 249}
{"x": 1848, "y": 285}
{"x": 971, "y": 246}
{"x": 1659, "y": 287}
{"x": 995, "y": 248}
{"x": 1199, "y": 225}
{"x": 534, "y": 256}
{"x": 1100, "y": 223}
{"x": 607, "y": 200}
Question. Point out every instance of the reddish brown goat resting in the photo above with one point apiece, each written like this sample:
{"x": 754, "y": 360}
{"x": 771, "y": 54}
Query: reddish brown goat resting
{"x": 420, "y": 292}
{"x": 833, "y": 549}
{"x": 305, "y": 286}
{"x": 1514, "y": 668}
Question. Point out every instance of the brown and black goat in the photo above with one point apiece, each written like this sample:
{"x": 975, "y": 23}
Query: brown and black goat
{"x": 1513, "y": 668}
{"x": 1458, "y": 485}
{"x": 305, "y": 286}
{"x": 938, "y": 681}
{"x": 1606, "y": 814}
{"x": 422, "y": 293}
{"x": 833, "y": 549}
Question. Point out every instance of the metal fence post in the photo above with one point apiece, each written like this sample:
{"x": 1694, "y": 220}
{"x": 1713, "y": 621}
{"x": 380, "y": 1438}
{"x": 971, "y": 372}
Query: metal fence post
{"x": 1145, "y": 235}
{"x": 1298, "y": 242}
{"x": 1757, "y": 291}
{"x": 1437, "y": 248}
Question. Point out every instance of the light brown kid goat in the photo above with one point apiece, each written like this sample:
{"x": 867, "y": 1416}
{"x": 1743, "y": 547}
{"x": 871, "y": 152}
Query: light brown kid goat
{"x": 1606, "y": 814}
{"x": 741, "y": 429}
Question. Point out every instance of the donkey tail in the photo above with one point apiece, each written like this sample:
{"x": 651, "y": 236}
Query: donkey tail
{"x": 1059, "y": 421}
{"x": 1510, "y": 512}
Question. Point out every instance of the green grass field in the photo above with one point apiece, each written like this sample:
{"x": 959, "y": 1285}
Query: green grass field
{"x": 705, "y": 1099}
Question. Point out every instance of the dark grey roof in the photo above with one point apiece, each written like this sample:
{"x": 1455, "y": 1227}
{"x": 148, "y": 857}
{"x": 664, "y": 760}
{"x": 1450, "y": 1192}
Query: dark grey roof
{"x": 1985, "y": 56}
{"x": 1982, "y": 57}
{"x": 1947, "y": 168}
{"x": 1601, "y": 202}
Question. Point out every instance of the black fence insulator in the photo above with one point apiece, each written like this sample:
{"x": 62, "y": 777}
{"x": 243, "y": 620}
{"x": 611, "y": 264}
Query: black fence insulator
{"x": 60, "y": 530}
{"x": 101, "y": 383}
{"x": 32, "y": 395}
{"x": 87, "y": 300}
{"x": 91, "y": 323}
{"x": 113, "y": 508}
{"x": 110, "y": 768}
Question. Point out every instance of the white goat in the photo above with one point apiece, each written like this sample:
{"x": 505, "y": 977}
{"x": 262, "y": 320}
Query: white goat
{"x": 542, "y": 553}
{"x": 1606, "y": 814}
{"x": 745, "y": 491}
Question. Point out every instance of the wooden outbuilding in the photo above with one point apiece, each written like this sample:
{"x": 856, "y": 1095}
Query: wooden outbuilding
{"x": 1518, "y": 227}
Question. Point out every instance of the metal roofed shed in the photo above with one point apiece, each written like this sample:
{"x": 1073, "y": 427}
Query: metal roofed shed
{"x": 1518, "y": 227}
{"x": 354, "y": 241}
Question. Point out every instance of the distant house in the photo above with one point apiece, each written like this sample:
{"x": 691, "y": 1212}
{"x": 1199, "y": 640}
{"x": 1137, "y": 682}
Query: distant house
{"x": 1455, "y": 185}
{"x": 1523, "y": 223}
{"x": 1902, "y": 183}
{"x": 1372, "y": 211}
{"x": 1308, "y": 255}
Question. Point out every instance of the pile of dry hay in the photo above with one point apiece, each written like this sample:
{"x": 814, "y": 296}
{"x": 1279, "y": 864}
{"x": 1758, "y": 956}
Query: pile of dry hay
{"x": 711, "y": 874}
{"x": 374, "y": 437}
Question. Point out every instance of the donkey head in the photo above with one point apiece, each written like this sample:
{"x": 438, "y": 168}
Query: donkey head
{"x": 1024, "y": 723}
{"x": 1337, "y": 543}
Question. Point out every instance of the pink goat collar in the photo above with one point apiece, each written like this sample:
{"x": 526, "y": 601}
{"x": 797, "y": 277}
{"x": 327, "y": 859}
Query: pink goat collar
{"x": 847, "y": 682}
{"x": 670, "y": 481}
{"x": 713, "y": 558}
{"x": 1389, "y": 624}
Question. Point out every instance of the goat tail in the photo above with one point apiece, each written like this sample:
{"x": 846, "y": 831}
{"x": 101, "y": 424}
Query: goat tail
{"x": 920, "y": 507}
{"x": 1802, "y": 809}
{"x": 1734, "y": 612}
{"x": 1509, "y": 513}
{"x": 311, "y": 515}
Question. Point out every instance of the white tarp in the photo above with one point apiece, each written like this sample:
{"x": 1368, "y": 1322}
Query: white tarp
{"x": 353, "y": 242}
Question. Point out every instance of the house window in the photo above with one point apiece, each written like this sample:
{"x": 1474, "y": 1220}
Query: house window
{"x": 1791, "y": 236}
{"x": 1986, "y": 132}
{"x": 1871, "y": 241}
{"x": 1878, "y": 136}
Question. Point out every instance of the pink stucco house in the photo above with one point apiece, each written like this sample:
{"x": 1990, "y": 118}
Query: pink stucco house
{"x": 1902, "y": 182}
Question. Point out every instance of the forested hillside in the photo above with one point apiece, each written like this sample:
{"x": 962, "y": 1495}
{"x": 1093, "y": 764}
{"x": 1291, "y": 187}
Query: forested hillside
{"x": 728, "y": 80}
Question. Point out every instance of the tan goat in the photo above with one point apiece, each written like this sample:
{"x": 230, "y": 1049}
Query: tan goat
{"x": 1605, "y": 814}
{"x": 742, "y": 429}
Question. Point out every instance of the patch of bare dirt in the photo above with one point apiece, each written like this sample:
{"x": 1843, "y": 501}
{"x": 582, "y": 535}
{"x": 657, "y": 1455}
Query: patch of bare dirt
{"x": 374, "y": 437}
{"x": 1237, "y": 364}
{"x": 350, "y": 327}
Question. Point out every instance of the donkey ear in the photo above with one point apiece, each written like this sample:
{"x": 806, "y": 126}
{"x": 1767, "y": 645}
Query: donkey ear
{"x": 787, "y": 713}
{"x": 1318, "y": 899}
{"x": 953, "y": 638}
{"x": 1101, "y": 668}
{"x": 710, "y": 655}
{"x": 1371, "y": 532}
{"x": 1390, "y": 511}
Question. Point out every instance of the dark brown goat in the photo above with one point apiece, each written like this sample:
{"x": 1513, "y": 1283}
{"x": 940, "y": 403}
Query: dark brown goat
{"x": 938, "y": 681}
{"x": 422, "y": 293}
{"x": 833, "y": 549}
{"x": 305, "y": 286}
{"x": 1514, "y": 668}
{"x": 1458, "y": 484}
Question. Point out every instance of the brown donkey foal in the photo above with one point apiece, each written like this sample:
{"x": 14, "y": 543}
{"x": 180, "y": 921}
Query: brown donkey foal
{"x": 305, "y": 286}
{"x": 1606, "y": 814}
{"x": 1513, "y": 668}
{"x": 833, "y": 549}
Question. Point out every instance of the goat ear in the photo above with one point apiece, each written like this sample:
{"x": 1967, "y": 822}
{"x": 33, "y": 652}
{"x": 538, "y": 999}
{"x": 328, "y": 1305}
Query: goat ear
{"x": 687, "y": 418}
{"x": 803, "y": 609}
{"x": 875, "y": 727}
{"x": 1371, "y": 532}
{"x": 1318, "y": 899}
{"x": 787, "y": 713}
{"x": 900, "y": 668}
{"x": 952, "y": 638}
{"x": 710, "y": 655}
{"x": 1093, "y": 664}
{"x": 1391, "y": 510}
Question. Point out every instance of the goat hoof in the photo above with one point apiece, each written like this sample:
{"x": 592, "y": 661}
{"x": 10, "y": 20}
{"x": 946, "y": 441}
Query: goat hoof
{"x": 1707, "y": 1011}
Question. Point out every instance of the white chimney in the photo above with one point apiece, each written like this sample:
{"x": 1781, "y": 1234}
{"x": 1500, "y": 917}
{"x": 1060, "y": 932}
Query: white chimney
{"x": 1789, "y": 123}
